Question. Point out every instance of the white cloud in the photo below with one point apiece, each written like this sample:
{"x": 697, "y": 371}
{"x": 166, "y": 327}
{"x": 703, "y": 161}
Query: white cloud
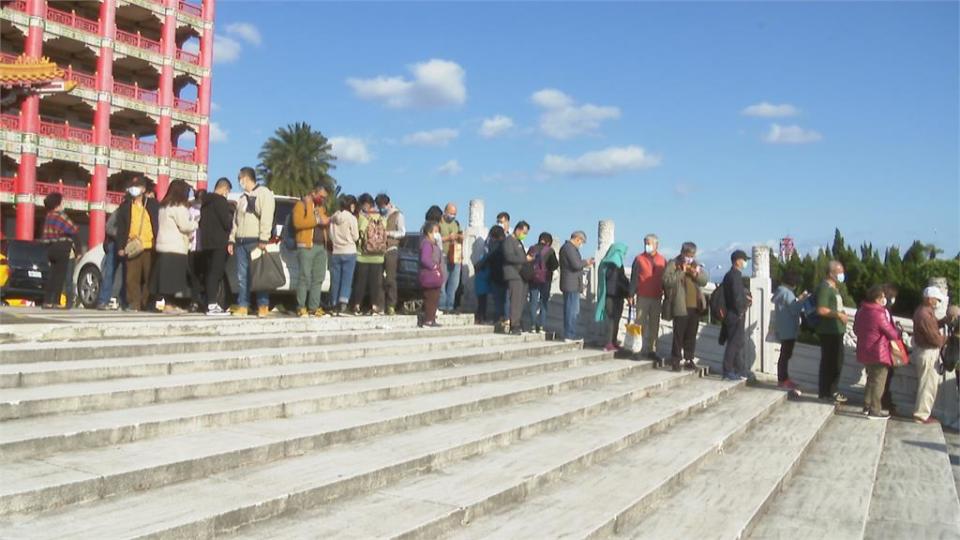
{"x": 495, "y": 126}
{"x": 791, "y": 135}
{"x": 350, "y": 150}
{"x": 245, "y": 31}
{"x": 225, "y": 49}
{"x": 769, "y": 110}
{"x": 450, "y": 168}
{"x": 562, "y": 118}
{"x": 217, "y": 133}
{"x": 606, "y": 162}
{"x": 435, "y": 83}
{"x": 434, "y": 137}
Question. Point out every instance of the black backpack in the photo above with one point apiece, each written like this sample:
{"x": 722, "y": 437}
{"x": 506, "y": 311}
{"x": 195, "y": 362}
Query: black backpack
{"x": 718, "y": 303}
{"x": 950, "y": 353}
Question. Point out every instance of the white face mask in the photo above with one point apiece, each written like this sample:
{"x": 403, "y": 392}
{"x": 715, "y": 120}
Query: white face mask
{"x": 437, "y": 237}
{"x": 892, "y": 300}
{"x": 135, "y": 191}
{"x": 841, "y": 277}
{"x": 648, "y": 248}
{"x": 883, "y": 301}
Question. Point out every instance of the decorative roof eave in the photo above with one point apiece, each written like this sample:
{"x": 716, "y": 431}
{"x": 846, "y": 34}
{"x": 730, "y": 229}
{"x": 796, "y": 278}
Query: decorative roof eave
{"x": 39, "y": 74}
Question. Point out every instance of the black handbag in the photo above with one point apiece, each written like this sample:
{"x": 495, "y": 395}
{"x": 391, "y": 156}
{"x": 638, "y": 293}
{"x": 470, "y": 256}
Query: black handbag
{"x": 266, "y": 272}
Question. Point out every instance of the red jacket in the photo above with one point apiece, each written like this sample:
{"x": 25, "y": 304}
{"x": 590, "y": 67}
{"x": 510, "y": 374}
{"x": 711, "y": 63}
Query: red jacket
{"x": 874, "y": 331}
{"x": 646, "y": 277}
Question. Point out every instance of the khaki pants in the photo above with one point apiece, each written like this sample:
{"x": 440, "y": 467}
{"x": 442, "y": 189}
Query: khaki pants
{"x": 138, "y": 279}
{"x": 923, "y": 361}
{"x": 648, "y": 317}
{"x": 876, "y": 381}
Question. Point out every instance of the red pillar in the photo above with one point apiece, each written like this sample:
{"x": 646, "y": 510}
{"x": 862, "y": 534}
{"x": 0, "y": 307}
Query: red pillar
{"x": 30, "y": 126}
{"x": 101, "y": 123}
{"x": 204, "y": 93}
{"x": 168, "y": 44}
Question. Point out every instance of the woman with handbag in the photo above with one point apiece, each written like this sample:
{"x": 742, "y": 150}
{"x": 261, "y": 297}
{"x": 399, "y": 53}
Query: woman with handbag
{"x": 137, "y": 221}
{"x": 877, "y": 341}
{"x": 173, "y": 244}
{"x": 613, "y": 287}
{"x": 430, "y": 276}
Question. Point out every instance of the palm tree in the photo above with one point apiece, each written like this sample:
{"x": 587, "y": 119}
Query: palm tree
{"x": 294, "y": 158}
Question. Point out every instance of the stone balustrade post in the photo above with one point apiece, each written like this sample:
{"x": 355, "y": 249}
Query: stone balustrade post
{"x": 760, "y": 351}
{"x": 474, "y": 238}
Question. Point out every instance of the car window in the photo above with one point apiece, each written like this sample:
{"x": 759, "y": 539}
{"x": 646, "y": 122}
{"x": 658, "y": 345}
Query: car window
{"x": 282, "y": 211}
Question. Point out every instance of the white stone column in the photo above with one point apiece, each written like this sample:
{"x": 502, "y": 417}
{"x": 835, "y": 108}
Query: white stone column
{"x": 473, "y": 243}
{"x": 760, "y": 354}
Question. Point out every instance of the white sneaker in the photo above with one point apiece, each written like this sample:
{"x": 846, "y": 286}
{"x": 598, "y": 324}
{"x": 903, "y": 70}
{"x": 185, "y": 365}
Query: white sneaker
{"x": 215, "y": 310}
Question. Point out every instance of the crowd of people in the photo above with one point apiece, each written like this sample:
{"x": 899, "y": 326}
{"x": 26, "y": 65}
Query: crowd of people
{"x": 163, "y": 248}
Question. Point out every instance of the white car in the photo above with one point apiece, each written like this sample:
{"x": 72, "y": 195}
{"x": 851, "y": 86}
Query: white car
{"x": 87, "y": 273}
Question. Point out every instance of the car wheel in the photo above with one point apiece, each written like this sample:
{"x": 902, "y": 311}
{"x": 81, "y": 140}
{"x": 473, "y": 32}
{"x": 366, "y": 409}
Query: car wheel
{"x": 88, "y": 286}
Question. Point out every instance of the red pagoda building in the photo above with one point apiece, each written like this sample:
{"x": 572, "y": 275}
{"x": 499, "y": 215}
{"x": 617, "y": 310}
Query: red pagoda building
{"x": 132, "y": 98}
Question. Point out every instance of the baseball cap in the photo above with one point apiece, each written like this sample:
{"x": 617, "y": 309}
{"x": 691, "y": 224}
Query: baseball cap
{"x": 739, "y": 254}
{"x": 935, "y": 292}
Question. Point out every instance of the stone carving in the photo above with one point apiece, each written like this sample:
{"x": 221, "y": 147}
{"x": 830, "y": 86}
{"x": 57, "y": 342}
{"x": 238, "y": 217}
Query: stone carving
{"x": 761, "y": 261}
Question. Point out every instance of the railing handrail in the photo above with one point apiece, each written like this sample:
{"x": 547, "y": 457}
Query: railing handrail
{"x": 73, "y": 20}
{"x": 8, "y": 185}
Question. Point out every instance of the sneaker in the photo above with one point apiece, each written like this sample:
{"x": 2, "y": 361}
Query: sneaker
{"x": 610, "y": 348}
{"x": 877, "y": 415}
{"x": 240, "y": 311}
{"x": 263, "y": 311}
{"x": 391, "y": 311}
{"x": 319, "y": 312}
{"x": 839, "y": 398}
{"x": 731, "y": 377}
{"x": 689, "y": 365}
{"x": 928, "y": 421}
{"x": 787, "y": 385}
{"x": 302, "y": 312}
{"x": 538, "y": 330}
{"x": 216, "y": 311}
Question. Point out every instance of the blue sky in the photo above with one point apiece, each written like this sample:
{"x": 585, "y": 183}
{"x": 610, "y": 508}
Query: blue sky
{"x": 721, "y": 123}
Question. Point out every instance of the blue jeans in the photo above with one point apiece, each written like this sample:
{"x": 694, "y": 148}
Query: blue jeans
{"x": 449, "y": 293}
{"x": 108, "y": 270}
{"x": 539, "y": 298}
{"x": 571, "y": 312}
{"x": 241, "y": 250}
{"x": 341, "y": 277}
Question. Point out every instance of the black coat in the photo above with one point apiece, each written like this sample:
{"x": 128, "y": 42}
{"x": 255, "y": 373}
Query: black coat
{"x": 735, "y": 294}
{"x": 216, "y": 218}
{"x": 123, "y": 219}
{"x": 618, "y": 286}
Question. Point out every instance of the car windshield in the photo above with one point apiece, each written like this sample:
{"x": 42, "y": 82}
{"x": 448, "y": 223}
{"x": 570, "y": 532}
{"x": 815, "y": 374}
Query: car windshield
{"x": 23, "y": 252}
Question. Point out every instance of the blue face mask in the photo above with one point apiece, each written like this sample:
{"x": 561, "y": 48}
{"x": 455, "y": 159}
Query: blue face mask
{"x": 384, "y": 212}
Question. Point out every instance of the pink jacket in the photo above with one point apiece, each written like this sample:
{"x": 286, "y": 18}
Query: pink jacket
{"x": 874, "y": 331}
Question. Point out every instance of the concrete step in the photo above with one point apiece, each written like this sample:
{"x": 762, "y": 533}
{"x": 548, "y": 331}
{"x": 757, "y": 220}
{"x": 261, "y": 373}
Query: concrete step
{"x": 72, "y": 371}
{"x": 609, "y": 496}
{"x": 159, "y": 344}
{"x": 439, "y": 501}
{"x": 228, "y": 500}
{"x": 38, "y": 436}
{"x": 88, "y": 325}
{"x": 36, "y": 484}
{"x": 829, "y": 494}
{"x": 133, "y": 392}
{"x": 914, "y": 495}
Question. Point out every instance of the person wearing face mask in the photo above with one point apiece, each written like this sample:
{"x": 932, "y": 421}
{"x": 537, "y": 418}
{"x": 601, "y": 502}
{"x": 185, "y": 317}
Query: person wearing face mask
{"x": 683, "y": 282}
{"x": 396, "y": 230}
{"x": 503, "y": 221}
{"x": 646, "y": 283}
{"x": 138, "y": 218}
{"x": 786, "y": 319}
{"x": 886, "y": 400}
{"x": 368, "y": 283}
{"x": 344, "y": 234}
{"x": 215, "y": 221}
{"x": 572, "y": 266}
{"x": 312, "y": 225}
{"x": 430, "y": 275}
{"x": 452, "y": 237}
{"x": 874, "y": 332}
{"x": 830, "y": 330}
{"x": 737, "y": 300}
{"x": 252, "y": 229}
{"x": 514, "y": 256}
{"x": 927, "y": 341}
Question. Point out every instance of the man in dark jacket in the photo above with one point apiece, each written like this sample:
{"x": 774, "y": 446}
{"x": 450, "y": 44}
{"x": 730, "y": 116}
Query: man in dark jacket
{"x": 138, "y": 217}
{"x": 514, "y": 257}
{"x": 571, "y": 281}
{"x": 216, "y": 218}
{"x": 737, "y": 300}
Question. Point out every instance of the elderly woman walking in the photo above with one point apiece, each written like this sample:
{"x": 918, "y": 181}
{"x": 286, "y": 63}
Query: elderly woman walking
{"x": 876, "y": 337}
{"x": 613, "y": 287}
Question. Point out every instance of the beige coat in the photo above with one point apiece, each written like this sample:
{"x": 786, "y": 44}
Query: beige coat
{"x": 174, "y": 230}
{"x": 674, "y": 297}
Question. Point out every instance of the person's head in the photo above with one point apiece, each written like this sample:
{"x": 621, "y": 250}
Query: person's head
{"x": 497, "y": 233}
{"x": 198, "y": 196}
{"x": 891, "y": 291}
{"x": 434, "y": 213}
{"x": 450, "y": 212}
{"x": 383, "y": 203}
{"x": 503, "y": 219}
{"x": 835, "y": 272}
{"x": 53, "y": 202}
{"x": 431, "y": 230}
{"x": 546, "y": 239}
{"x": 521, "y": 230}
{"x": 876, "y": 295}
{"x": 136, "y": 187}
{"x": 247, "y": 177}
{"x": 578, "y": 238}
{"x": 178, "y": 194}
{"x": 933, "y": 297}
{"x": 348, "y": 203}
{"x": 150, "y": 189}
{"x": 223, "y": 186}
{"x": 688, "y": 252}
{"x": 367, "y": 206}
{"x": 319, "y": 193}
{"x": 791, "y": 279}
{"x": 651, "y": 244}
{"x": 739, "y": 259}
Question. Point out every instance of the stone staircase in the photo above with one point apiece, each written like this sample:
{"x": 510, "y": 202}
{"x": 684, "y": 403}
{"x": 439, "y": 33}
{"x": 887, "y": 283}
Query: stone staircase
{"x": 158, "y": 427}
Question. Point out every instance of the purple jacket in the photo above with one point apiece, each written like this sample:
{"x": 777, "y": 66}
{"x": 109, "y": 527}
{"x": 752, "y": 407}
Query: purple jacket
{"x": 431, "y": 258}
{"x": 874, "y": 331}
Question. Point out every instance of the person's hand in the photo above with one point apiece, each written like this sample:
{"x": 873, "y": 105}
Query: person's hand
{"x": 590, "y": 261}
{"x": 229, "y": 249}
{"x": 121, "y": 253}
{"x": 843, "y": 317}
{"x": 529, "y": 258}
{"x": 262, "y": 246}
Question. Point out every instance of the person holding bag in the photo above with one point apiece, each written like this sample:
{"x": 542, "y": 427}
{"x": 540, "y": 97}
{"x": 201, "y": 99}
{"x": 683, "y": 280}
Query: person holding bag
{"x": 876, "y": 340}
{"x": 430, "y": 275}
{"x": 137, "y": 222}
{"x": 173, "y": 245}
{"x": 613, "y": 287}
